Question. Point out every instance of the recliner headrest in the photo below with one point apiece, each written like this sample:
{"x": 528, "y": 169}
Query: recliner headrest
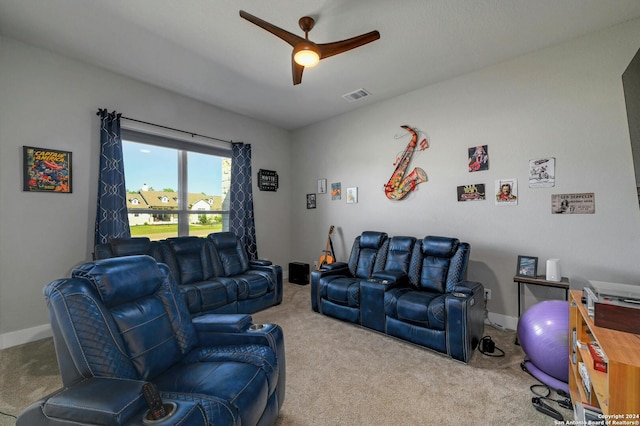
{"x": 130, "y": 246}
{"x": 186, "y": 245}
{"x": 401, "y": 243}
{"x": 372, "y": 239}
{"x": 440, "y": 246}
{"x": 224, "y": 239}
{"x": 121, "y": 279}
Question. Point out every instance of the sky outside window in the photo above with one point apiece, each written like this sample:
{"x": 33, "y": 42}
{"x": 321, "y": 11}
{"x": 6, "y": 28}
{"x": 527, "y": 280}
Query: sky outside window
{"x": 157, "y": 167}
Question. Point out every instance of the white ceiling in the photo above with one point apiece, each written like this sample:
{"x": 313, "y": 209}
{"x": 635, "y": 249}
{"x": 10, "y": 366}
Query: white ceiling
{"x": 204, "y": 50}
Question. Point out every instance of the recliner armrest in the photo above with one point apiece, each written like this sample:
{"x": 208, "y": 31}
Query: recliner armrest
{"x": 104, "y": 401}
{"x": 468, "y": 287}
{"x": 222, "y": 323}
{"x": 391, "y": 278}
{"x": 260, "y": 262}
{"x": 334, "y": 266}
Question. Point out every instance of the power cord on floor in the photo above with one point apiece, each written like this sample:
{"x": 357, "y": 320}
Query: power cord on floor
{"x": 564, "y": 403}
{"x": 487, "y": 347}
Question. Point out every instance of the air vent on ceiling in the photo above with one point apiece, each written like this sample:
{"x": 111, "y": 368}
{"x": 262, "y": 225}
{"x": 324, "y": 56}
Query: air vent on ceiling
{"x": 356, "y": 95}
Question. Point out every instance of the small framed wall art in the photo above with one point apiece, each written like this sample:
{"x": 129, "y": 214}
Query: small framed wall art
{"x": 46, "y": 170}
{"x": 478, "y": 158}
{"x": 267, "y": 180}
{"x": 352, "y": 195}
{"x": 322, "y": 186}
{"x": 311, "y": 201}
{"x": 473, "y": 192}
{"x": 336, "y": 191}
{"x": 506, "y": 192}
{"x": 527, "y": 266}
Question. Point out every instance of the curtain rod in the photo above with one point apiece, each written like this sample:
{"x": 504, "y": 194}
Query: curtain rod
{"x": 171, "y": 128}
{"x": 177, "y": 130}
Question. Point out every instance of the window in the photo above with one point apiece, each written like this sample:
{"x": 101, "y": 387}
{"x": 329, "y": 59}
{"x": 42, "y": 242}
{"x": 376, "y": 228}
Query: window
{"x": 175, "y": 188}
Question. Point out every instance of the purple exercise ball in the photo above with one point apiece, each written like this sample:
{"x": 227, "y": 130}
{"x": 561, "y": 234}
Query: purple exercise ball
{"x": 543, "y": 333}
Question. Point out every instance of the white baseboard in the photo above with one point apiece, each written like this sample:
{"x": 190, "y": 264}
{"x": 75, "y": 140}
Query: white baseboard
{"x": 502, "y": 321}
{"x": 15, "y": 338}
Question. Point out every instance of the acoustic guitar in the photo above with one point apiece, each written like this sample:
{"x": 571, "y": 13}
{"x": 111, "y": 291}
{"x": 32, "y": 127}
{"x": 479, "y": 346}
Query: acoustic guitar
{"x": 327, "y": 256}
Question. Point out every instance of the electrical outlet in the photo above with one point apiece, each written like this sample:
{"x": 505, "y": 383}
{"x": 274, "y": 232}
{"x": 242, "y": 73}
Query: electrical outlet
{"x": 487, "y": 294}
{"x": 315, "y": 264}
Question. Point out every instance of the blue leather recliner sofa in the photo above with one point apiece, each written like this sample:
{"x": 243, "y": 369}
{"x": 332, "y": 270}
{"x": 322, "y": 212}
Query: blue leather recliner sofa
{"x": 119, "y": 323}
{"x": 412, "y": 289}
{"x": 214, "y": 273}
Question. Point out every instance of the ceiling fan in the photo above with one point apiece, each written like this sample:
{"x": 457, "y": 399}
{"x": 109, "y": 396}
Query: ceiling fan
{"x": 305, "y": 52}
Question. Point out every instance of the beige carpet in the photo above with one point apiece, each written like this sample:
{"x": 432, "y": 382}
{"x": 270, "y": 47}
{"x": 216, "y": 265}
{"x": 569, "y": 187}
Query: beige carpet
{"x": 340, "y": 374}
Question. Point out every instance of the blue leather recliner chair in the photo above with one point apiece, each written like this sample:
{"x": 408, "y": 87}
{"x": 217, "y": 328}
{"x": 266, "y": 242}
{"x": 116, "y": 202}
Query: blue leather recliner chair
{"x": 119, "y": 323}
{"x": 336, "y": 291}
{"x": 415, "y": 290}
{"x": 438, "y": 308}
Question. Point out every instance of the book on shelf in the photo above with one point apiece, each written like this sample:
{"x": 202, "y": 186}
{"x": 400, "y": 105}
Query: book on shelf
{"x": 586, "y": 379}
{"x": 599, "y": 359}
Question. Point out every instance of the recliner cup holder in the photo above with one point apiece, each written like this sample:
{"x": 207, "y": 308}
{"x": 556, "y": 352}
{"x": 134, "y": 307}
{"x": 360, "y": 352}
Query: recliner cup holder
{"x": 169, "y": 409}
{"x": 256, "y": 327}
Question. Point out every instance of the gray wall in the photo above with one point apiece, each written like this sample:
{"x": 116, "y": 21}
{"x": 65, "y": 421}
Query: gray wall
{"x": 50, "y": 101}
{"x": 565, "y": 102}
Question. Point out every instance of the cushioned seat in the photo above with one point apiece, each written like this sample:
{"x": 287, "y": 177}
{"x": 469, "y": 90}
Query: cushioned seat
{"x": 419, "y": 308}
{"x": 246, "y": 375}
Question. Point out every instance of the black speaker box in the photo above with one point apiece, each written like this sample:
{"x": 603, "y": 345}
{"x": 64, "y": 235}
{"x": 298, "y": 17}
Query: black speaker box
{"x": 299, "y": 273}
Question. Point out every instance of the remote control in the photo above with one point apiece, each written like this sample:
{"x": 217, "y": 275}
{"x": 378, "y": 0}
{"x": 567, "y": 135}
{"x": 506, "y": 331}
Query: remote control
{"x": 152, "y": 396}
{"x": 545, "y": 409}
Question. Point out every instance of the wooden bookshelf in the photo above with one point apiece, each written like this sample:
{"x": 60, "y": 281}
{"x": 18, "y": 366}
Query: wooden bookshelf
{"x": 617, "y": 391}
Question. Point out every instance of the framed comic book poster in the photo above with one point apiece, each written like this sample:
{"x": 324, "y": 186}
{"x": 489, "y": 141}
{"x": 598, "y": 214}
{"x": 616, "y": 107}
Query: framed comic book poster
{"x": 46, "y": 170}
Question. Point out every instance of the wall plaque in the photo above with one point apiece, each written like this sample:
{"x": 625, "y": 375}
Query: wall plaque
{"x": 267, "y": 180}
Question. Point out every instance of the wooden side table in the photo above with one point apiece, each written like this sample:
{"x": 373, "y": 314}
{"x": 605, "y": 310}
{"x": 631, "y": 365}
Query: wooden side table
{"x": 541, "y": 281}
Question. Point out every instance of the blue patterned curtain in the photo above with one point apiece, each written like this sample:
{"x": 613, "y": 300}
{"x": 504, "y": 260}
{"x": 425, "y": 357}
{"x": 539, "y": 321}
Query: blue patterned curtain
{"x": 112, "y": 220}
{"x": 241, "y": 221}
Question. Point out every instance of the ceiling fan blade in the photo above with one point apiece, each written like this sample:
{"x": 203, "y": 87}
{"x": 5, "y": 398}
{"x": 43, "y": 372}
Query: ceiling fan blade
{"x": 297, "y": 71}
{"x": 285, "y": 35}
{"x": 330, "y": 49}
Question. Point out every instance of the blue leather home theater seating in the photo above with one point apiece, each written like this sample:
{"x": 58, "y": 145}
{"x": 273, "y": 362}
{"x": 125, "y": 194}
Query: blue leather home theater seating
{"x": 412, "y": 289}
{"x": 214, "y": 273}
{"x": 122, "y": 323}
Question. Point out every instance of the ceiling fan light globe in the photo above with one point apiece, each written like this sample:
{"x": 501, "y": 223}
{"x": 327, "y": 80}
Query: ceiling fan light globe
{"x": 306, "y": 54}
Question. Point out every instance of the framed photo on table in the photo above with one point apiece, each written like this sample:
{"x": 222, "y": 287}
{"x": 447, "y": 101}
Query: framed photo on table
{"x": 527, "y": 266}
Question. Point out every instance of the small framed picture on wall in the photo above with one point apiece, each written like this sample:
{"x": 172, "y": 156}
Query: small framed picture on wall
{"x": 322, "y": 186}
{"x": 311, "y": 201}
{"x": 352, "y": 195}
{"x": 46, "y": 170}
{"x": 336, "y": 191}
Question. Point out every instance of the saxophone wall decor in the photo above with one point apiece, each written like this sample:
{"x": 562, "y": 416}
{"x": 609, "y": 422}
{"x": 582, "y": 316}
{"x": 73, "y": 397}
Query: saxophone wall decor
{"x": 400, "y": 185}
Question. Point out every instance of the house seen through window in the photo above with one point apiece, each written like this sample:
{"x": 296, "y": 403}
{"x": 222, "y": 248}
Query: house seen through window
{"x": 175, "y": 188}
